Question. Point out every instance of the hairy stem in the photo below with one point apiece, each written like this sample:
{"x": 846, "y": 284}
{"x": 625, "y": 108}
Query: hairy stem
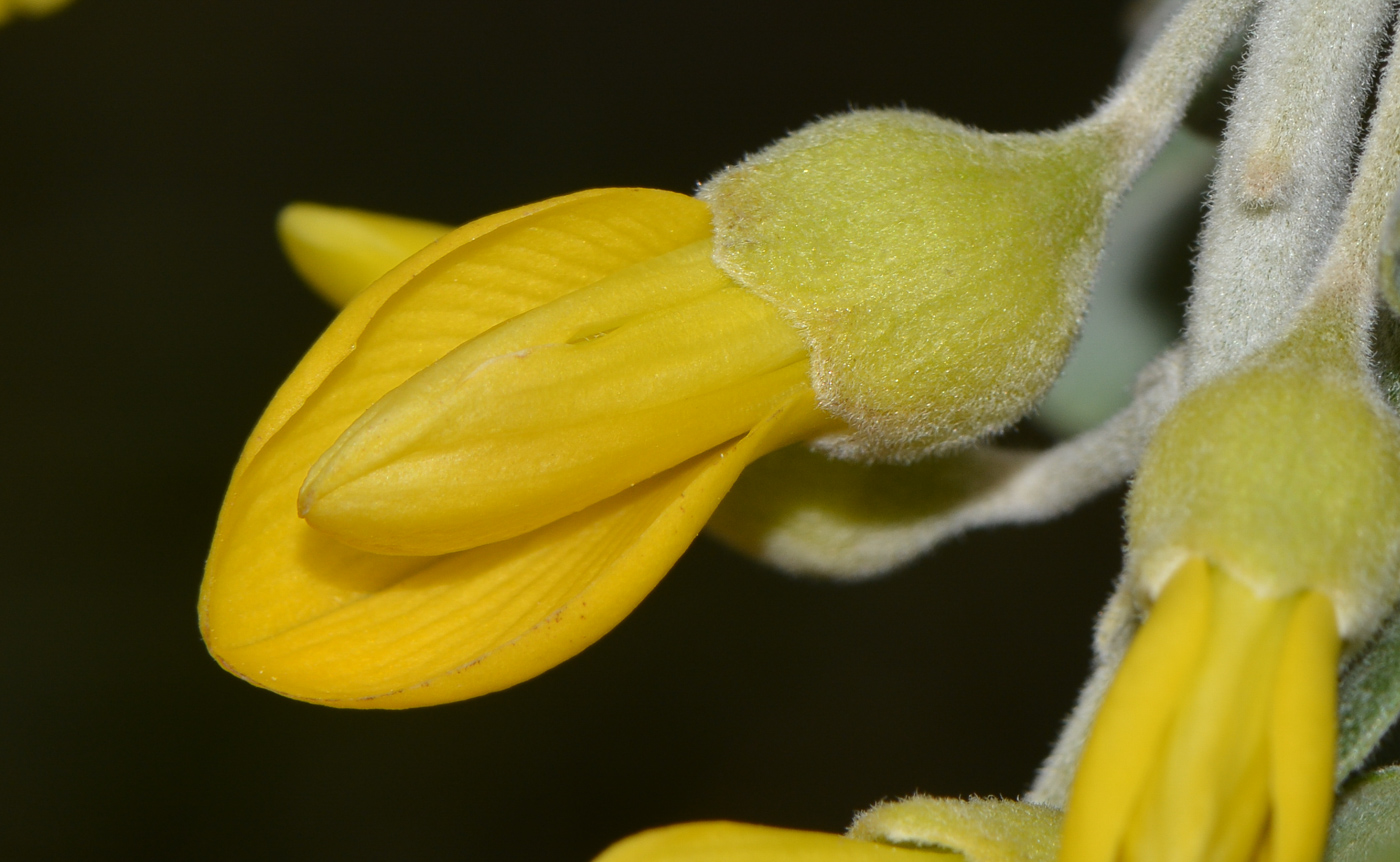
{"x": 1285, "y": 165}
{"x": 1348, "y": 274}
{"x": 1143, "y": 110}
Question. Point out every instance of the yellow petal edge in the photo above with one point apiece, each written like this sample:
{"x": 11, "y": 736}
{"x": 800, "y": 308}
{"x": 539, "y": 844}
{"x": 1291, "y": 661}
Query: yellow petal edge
{"x": 340, "y": 251}
{"x": 290, "y": 609}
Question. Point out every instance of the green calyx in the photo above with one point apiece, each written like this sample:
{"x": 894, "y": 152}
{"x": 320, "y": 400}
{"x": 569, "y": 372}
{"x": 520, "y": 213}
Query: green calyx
{"x": 1284, "y": 473}
{"x": 980, "y": 830}
{"x": 938, "y": 273}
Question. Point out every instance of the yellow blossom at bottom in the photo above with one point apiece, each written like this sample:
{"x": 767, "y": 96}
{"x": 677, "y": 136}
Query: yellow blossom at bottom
{"x": 296, "y": 609}
{"x": 1216, "y": 740}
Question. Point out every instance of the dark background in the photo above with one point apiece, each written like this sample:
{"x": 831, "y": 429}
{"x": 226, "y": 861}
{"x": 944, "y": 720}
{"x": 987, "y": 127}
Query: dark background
{"x": 145, "y": 148}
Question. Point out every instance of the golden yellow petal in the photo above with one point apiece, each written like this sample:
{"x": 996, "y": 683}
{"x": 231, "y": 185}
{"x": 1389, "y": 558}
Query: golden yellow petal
{"x": 484, "y": 304}
{"x": 557, "y": 409}
{"x": 268, "y": 572}
{"x": 1304, "y": 732}
{"x": 1240, "y": 826}
{"x": 1135, "y": 717}
{"x": 1244, "y": 768}
{"x": 1208, "y": 796}
{"x": 416, "y": 631}
{"x": 722, "y": 841}
{"x": 341, "y": 251}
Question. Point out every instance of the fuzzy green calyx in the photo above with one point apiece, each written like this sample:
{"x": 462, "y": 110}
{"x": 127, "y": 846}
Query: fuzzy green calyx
{"x": 1286, "y": 474}
{"x": 938, "y": 273}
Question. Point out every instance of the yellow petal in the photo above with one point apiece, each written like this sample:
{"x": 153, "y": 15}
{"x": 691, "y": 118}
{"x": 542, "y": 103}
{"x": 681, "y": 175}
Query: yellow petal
{"x": 461, "y": 300}
{"x": 1207, "y": 798}
{"x": 439, "y": 629}
{"x": 1304, "y": 732}
{"x": 557, "y": 409}
{"x": 1135, "y": 717}
{"x": 341, "y": 251}
{"x": 269, "y": 574}
{"x": 1243, "y": 814}
{"x": 740, "y": 842}
{"x": 1239, "y": 755}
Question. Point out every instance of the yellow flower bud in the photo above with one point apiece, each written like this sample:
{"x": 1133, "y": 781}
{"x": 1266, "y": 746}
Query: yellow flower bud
{"x": 938, "y": 273}
{"x": 596, "y": 472}
{"x": 557, "y": 409}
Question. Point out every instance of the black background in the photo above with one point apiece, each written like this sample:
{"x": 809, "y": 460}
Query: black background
{"x": 145, "y": 148}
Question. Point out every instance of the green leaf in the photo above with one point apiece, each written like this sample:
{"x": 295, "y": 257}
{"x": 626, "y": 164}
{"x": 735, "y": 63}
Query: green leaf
{"x": 1369, "y": 698}
{"x": 1366, "y": 827}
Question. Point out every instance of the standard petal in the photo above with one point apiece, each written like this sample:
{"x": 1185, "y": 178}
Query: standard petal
{"x": 341, "y": 251}
{"x": 464, "y": 302}
{"x": 558, "y": 409}
{"x": 268, "y": 572}
{"x": 416, "y": 631}
{"x": 721, "y": 841}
